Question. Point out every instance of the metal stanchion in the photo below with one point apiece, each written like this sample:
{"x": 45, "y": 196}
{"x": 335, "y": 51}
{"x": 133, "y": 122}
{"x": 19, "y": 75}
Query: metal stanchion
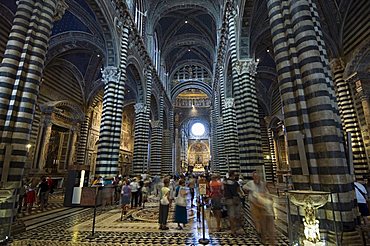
{"x": 203, "y": 240}
{"x": 94, "y": 217}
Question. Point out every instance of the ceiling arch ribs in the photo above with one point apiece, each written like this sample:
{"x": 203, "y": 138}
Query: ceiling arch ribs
{"x": 161, "y": 10}
{"x": 7, "y": 14}
{"x": 204, "y": 87}
{"x": 74, "y": 70}
{"x": 103, "y": 11}
{"x": 87, "y": 19}
{"x": 65, "y": 42}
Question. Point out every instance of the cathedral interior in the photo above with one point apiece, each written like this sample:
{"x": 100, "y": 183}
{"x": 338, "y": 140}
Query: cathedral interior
{"x": 100, "y": 88}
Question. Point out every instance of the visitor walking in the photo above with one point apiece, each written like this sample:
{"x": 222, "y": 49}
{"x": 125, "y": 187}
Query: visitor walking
{"x": 165, "y": 202}
{"x": 125, "y": 197}
{"x": 216, "y": 194}
{"x": 134, "y": 192}
{"x": 181, "y": 214}
{"x": 232, "y": 201}
{"x": 261, "y": 208}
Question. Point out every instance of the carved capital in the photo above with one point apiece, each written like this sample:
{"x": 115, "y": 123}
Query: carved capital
{"x": 337, "y": 64}
{"x": 229, "y": 102}
{"x": 140, "y": 108}
{"x": 60, "y": 9}
{"x": 155, "y": 123}
{"x": 249, "y": 66}
{"x": 110, "y": 74}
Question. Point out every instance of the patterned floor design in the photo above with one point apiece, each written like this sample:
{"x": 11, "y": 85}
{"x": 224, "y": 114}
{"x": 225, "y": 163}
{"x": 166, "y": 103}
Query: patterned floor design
{"x": 72, "y": 226}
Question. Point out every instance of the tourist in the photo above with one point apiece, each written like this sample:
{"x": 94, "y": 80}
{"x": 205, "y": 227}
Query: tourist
{"x": 165, "y": 202}
{"x": 181, "y": 214}
{"x": 134, "y": 193}
{"x": 139, "y": 192}
{"x": 125, "y": 197}
{"x": 232, "y": 201}
{"x": 261, "y": 208}
{"x": 216, "y": 194}
{"x": 191, "y": 186}
{"x": 43, "y": 189}
{"x": 145, "y": 192}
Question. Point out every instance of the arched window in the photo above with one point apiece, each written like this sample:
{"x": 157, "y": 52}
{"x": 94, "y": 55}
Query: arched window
{"x": 139, "y": 15}
{"x": 156, "y": 52}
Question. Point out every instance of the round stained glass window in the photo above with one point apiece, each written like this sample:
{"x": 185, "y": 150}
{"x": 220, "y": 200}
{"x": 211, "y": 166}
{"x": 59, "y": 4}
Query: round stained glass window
{"x": 197, "y": 129}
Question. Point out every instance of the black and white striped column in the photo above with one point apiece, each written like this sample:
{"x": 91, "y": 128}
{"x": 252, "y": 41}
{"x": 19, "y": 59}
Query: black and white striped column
{"x": 20, "y": 76}
{"x": 311, "y": 116}
{"x": 349, "y": 119}
{"x": 141, "y": 140}
{"x": 231, "y": 148}
{"x": 156, "y": 147}
{"x": 111, "y": 122}
{"x": 140, "y": 160}
{"x": 110, "y": 128}
{"x": 166, "y": 166}
{"x": 246, "y": 107}
{"x": 82, "y": 144}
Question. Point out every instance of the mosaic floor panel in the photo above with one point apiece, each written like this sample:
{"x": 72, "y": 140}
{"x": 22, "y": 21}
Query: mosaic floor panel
{"x": 72, "y": 226}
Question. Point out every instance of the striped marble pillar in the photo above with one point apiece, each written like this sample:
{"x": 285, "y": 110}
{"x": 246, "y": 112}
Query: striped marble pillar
{"x": 111, "y": 121}
{"x": 349, "y": 119}
{"x": 156, "y": 147}
{"x": 141, "y": 140}
{"x": 231, "y": 148}
{"x": 214, "y": 146}
{"x": 20, "y": 76}
{"x": 166, "y": 166}
{"x": 110, "y": 128}
{"x": 84, "y": 135}
{"x": 311, "y": 117}
{"x": 246, "y": 107}
{"x": 140, "y": 160}
{"x": 358, "y": 83}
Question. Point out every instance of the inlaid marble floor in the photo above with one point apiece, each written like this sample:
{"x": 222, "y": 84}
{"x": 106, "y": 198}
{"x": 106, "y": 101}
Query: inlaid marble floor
{"x": 72, "y": 226}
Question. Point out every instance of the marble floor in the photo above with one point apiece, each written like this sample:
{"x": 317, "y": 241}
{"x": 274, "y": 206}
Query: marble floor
{"x": 73, "y": 226}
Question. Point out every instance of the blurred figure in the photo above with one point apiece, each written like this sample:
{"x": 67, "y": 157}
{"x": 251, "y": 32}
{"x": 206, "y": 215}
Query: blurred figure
{"x": 125, "y": 197}
{"x": 145, "y": 192}
{"x": 134, "y": 192}
{"x": 232, "y": 201}
{"x": 216, "y": 194}
{"x": 261, "y": 208}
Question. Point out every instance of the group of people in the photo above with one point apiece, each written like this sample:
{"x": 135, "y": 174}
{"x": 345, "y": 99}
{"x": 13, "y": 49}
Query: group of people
{"x": 31, "y": 194}
{"x": 223, "y": 194}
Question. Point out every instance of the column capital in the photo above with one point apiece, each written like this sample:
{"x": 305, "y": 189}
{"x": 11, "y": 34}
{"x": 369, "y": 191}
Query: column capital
{"x": 155, "y": 123}
{"x": 123, "y": 23}
{"x": 337, "y": 64}
{"x": 140, "y": 108}
{"x": 60, "y": 9}
{"x": 249, "y": 66}
{"x": 110, "y": 73}
{"x": 229, "y": 102}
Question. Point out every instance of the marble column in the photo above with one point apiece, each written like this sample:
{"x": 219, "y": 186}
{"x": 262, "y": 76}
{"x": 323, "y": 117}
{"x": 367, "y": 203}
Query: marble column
{"x": 20, "y": 76}
{"x": 166, "y": 166}
{"x": 311, "y": 116}
{"x": 359, "y": 84}
{"x": 44, "y": 143}
{"x": 156, "y": 147}
{"x": 230, "y": 136}
{"x": 71, "y": 147}
{"x": 84, "y": 136}
{"x": 350, "y": 122}
{"x": 248, "y": 122}
{"x": 141, "y": 139}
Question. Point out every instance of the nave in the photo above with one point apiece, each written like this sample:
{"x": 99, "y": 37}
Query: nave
{"x": 72, "y": 226}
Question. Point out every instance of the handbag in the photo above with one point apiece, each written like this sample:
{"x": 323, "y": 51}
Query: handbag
{"x": 164, "y": 200}
{"x": 180, "y": 200}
